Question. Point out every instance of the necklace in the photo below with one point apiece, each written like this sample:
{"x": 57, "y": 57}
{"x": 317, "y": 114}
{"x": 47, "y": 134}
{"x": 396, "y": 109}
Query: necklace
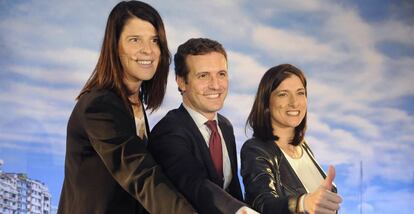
{"x": 294, "y": 152}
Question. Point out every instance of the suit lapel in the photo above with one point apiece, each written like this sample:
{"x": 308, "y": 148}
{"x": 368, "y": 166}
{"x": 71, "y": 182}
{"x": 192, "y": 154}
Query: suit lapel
{"x": 200, "y": 143}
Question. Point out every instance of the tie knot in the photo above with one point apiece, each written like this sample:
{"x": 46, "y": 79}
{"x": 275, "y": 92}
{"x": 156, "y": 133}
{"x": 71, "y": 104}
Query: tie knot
{"x": 212, "y": 125}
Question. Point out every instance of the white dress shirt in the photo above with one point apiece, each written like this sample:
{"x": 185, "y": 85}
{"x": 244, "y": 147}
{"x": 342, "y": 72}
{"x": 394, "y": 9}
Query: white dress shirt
{"x": 200, "y": 121}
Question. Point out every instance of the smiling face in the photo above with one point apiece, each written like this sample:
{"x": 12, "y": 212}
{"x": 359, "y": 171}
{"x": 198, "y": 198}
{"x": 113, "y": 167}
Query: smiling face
{"x": 207, "y": 83}
{"x": 139, "y": 51}
{"x": 288, "y": 104}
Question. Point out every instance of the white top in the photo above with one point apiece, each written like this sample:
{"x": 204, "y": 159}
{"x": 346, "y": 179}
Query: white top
{"x": 307, "y": 172}
{"x": 140, "y": 124}
{"x": 200, "y": 121}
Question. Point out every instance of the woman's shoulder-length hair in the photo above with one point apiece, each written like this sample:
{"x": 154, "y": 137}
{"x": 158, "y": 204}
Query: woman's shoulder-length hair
{"x": 108, "y": 73}
{"x": 259, "y": 118}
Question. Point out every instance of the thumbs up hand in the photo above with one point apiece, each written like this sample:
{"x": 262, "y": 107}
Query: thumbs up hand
{"x": 322, "y": 200}
{"x": 329, "y": 178}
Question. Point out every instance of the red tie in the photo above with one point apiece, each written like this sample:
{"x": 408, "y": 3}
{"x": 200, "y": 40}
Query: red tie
{"x": 215, "y": 147}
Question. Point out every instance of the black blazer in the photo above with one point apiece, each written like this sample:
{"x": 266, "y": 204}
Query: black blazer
{"x": 107, "y": 167}
{"x": 271, "y": 184}
{"x": 180, "y": 148}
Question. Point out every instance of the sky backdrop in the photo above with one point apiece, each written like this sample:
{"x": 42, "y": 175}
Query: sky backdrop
{"x": 358, "y": 57}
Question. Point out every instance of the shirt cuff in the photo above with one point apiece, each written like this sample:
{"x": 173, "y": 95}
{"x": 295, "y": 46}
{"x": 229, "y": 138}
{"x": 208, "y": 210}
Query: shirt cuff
{"x": 246, "y": 210}
{"x": 296, "y": 204}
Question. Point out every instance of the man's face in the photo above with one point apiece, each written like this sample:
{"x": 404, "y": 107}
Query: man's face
{"x": 207, "y": 83}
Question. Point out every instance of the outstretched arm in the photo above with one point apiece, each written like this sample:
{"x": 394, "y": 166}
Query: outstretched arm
{"x": 125, "y": 156}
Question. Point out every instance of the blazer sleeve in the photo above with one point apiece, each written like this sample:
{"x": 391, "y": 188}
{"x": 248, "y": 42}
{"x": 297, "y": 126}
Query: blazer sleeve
{"x": 263, "y": 192}
{"x": 173, "y": 147}
{"x": 107, "y": 125}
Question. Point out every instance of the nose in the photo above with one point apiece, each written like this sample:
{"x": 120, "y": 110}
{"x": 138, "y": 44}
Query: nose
{"x": 145, "y": 48}
{"x": 293, "y": 101}
{"x": 214, "y": 82}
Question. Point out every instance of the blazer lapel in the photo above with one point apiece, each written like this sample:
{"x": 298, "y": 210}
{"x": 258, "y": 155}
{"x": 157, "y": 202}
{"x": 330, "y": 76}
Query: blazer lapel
{"x": 310, "y": 153}
{"x": 131, "y": 112}
{"x": 200, "y": 143}
{"x": 290, "y": 181}
{"x": 145, "y": 140}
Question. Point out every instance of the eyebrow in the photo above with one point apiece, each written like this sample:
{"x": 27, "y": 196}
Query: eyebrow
{"x": 204, "y": 71}
{"x": 200, "y": 72}
{"x": 140, "y": 36}
{"x": 285, "y": 90}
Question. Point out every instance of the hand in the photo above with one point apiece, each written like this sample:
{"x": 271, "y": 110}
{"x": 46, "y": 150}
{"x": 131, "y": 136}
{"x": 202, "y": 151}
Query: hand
{"x": 246, "y": 210}
{"x": 322, "y": 200}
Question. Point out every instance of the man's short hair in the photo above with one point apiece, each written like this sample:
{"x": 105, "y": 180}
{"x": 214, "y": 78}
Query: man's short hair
{"x": 194, "y": 46}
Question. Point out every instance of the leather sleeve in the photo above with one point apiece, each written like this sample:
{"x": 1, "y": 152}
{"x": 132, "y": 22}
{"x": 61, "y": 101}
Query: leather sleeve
{"x": 107, "y": 124}
{"x": 259, "y": 174}
{"x": 173, "y": 147}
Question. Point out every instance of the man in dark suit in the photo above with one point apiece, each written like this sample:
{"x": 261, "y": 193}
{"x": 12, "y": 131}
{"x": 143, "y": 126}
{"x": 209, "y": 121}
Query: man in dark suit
{"x": 199, "y": 158}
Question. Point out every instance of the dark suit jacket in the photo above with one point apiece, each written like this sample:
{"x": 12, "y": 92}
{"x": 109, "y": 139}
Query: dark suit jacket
{"x": 107, "y": 167}
{"x": 180, "y": 148}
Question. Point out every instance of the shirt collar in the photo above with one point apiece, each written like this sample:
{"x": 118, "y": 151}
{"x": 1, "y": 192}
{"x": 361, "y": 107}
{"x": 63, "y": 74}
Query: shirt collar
{"x": 198, "y": 118}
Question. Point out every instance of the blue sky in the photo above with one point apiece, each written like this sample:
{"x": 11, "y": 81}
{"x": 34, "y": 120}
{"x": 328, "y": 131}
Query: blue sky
{"x": 358, "y": 57}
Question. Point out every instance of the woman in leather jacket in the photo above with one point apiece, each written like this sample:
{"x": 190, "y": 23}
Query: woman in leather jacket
{"x": 279, "y": 171}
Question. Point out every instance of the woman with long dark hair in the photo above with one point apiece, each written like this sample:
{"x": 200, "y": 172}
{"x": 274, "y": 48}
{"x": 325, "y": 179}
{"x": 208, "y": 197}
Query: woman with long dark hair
{"x": 108, "y": 168}
{"x": 279, "y": 171}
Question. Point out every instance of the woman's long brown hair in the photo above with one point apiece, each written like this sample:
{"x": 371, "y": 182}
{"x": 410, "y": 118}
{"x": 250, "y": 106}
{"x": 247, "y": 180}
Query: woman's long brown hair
{"x": 108, "y": 73}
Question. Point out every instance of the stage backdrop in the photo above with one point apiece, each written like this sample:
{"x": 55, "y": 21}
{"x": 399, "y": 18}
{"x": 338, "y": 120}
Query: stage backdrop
{"x": 358, "y": 57}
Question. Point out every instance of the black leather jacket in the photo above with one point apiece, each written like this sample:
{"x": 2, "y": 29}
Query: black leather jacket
{"x": 271, "y": 184}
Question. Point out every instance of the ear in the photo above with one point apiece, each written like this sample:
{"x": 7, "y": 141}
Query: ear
{"x": 181, "y": 83}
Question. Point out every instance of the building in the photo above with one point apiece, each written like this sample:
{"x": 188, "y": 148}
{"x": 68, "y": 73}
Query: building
{"x": 20, "y": 194}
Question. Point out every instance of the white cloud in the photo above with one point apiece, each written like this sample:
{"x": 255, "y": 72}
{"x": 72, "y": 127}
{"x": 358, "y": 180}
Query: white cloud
{"x": 336, "y": 97}
{"x": 394, "y": 31}
{"x": 271, "y": 8}
{"x": 53, "y": 75}
{"x": 376, "y": 200}
{"x": 178, "y": 34}
{"x": 70, "y": 57}
{"x": 369, "y": 126}
{"x": 338, "y": 146}
{"x": 30, "y": 138}
{"x": 345, "y": 24}
{"x": 58, "y": 151}
{"x": 317, "y": 126}
{"x": 25, "y": 92}
{"x": 285, "y": 44}
{"x": 208, "y": 19}
{"x": 297, "y": 5}
{"x": 397, "y": 81}
{"x": 36, "y": 109}
{"x": 362, "y": 125}
{"x": 244, "y": 72}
